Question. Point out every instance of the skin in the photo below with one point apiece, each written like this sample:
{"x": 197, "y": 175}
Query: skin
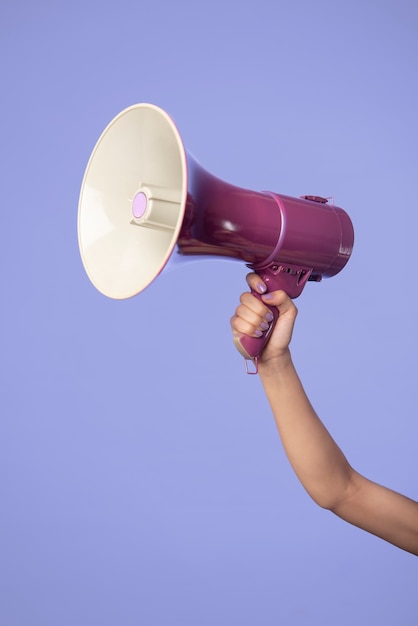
{"x": 316, "y": 459}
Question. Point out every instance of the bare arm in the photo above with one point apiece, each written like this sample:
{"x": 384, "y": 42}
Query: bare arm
{"x": 315, "y": 457}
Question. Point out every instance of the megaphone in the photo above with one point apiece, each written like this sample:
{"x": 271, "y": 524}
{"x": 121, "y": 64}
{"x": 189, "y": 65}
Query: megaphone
{"x": 144, "y": 199}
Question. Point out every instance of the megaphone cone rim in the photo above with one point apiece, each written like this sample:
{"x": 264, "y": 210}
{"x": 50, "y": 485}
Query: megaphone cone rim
{"x": 140, "y": 283}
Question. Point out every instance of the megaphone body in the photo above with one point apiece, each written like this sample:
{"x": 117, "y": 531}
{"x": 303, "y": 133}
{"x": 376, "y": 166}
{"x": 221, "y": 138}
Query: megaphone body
{"x": 144, "y": 198}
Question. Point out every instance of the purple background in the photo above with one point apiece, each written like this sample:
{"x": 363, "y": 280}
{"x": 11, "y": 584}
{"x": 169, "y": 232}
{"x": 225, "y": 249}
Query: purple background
{"x": 141, "y": 477}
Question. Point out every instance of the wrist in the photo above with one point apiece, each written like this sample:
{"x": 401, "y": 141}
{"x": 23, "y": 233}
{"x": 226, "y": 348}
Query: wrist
{"x": 276, "y": 364}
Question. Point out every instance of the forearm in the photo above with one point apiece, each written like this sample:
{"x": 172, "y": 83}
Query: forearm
{"x": 323, "y": 469}
{"x": 315, "y": 457}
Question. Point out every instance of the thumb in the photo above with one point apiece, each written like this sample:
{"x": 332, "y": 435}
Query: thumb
{"x": 280, "y": 299}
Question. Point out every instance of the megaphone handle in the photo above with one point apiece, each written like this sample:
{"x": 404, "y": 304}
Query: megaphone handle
{"x": 252, "y": 347}
{"x": 290, "y": 279}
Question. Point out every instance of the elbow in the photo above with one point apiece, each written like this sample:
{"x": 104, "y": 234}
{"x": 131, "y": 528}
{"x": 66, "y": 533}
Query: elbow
{"x": 332, "y": 497}
{"x": 326, "y": 501}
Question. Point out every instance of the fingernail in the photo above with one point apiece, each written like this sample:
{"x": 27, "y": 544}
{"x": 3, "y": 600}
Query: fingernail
{"x": 258, "y": 332}
{"x": 261, "y": 288}
{"x": 269, "y": 316}
{"x": 264, "y": 325}
{"x": 268, "y": 296}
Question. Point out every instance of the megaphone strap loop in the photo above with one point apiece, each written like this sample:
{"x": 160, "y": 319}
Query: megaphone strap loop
{"x": 254, "y": 361}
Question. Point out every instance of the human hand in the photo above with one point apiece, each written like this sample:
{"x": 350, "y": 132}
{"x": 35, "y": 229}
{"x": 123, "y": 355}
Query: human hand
{"x": 253, "y": 316}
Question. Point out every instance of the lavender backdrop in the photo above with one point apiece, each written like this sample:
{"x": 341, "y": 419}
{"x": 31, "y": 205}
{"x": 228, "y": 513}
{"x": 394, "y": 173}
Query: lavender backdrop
{"x": 141, "y": 477}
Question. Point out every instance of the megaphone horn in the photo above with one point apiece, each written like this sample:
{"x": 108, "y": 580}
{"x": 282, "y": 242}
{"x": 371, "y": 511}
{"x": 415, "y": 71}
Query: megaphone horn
{"x": 143, "y": 195}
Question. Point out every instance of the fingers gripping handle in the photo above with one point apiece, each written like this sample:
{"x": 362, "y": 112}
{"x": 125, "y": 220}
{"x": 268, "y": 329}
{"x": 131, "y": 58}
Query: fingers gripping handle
{"x": 288, "y": 278}
{"x": 252, "y": 347}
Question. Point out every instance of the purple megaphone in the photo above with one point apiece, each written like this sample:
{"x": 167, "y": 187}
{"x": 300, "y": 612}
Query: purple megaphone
{"x": 144, "y": 198}
{"x": 287, "y": 241}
